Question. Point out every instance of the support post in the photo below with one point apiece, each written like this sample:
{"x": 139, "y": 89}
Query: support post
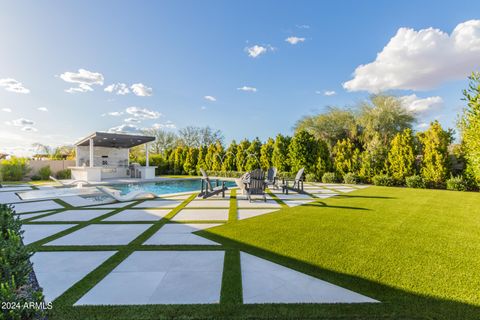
{"x": 146, "y": 153}
{"x": 77, "y": 159}
{"x": 91, "y": 153}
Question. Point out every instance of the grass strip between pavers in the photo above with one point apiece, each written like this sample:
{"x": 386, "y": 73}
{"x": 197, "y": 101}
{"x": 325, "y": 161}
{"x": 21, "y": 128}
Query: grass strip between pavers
{"x": 276, "y": 199}
{"x": 80, "y": 288}
{"x": 232, "y": 212}
{"x": 232, "y": 278}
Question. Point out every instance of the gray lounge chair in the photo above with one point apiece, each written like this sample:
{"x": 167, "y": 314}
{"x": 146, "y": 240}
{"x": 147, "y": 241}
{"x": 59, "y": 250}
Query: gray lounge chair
{"x": 297, "y": 183}
{"x": 272, "y": 177}
{"x": 78, "y": 183}
{"x": 208, "y": 189}
{"x": 256, "y": 185}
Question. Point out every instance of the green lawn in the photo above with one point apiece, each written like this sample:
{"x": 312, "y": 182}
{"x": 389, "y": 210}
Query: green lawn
{"x": 417, "y": 251}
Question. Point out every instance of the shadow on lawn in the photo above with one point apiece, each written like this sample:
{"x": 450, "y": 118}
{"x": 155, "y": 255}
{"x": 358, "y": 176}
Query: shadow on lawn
{"x": 395, "y": 303}
{"x": 323, "y": 205}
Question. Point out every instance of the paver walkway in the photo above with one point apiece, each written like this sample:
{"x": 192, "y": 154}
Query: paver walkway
{"x": 161, "y": 259}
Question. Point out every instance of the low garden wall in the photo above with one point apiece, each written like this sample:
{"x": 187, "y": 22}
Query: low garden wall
{"x": 55, "y": 165}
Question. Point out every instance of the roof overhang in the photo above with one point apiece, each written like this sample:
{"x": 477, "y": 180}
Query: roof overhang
{"x": 114, "y": 140}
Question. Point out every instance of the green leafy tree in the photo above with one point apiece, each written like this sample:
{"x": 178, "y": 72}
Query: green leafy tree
{"x": 303, "y": 152}
{"x": 191, "y": 159}
{"x": 383, "y": 116}
{"x": 280, "y": 158}
{"x": 470, "y": 126}
{"x": 266, "y": 154}
{"x": 372, "y": 159}
{"x": 346, "y": 157}
{"x": 179, "y": 155}
{"x": 229, "y": 160}
{"x": 435, "y": 163}
{"x": 253, "y": 155}
{"x": 401, "y": 157}
{"x": 217, "y": 156}
{"x": 242, "y": 154}
{"x": 334, "y": 125}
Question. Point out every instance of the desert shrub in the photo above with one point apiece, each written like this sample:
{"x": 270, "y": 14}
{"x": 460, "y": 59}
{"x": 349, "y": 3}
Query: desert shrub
{"x": 415, "y": 181}
{"x": 14, "y": 169}
{"x": 45, "y": 172}
{"x": 329, "y": 177}
{"x": 383, "y": 180}
{"x": 64, "y": 174}
{"x": 310, "y": 177}
{"x": 351, "y": 178}
{"x": 457, "y": 183}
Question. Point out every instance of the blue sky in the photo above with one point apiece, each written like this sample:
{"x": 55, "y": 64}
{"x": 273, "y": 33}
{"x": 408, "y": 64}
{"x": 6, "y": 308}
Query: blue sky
{"x": 179, "y": 52}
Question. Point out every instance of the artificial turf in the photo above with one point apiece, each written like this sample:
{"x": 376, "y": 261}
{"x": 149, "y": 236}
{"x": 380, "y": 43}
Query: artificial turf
{"x": 417, "y": 251}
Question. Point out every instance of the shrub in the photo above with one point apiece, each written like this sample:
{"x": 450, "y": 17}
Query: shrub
{"x": 383, "y": 180}
{"x": 457, "y": 183}
{"x": 64, "y": 174}
{"x": 415, "y": 181}
{"x": 14, "y": 169}
{"x": 45, "y": 172}
{"x": 15, "y": 269}
{"x": 329, "y": 177}
{"x": 35, "y": 178}
{"x": 351, "y": 178}
{"x": 310, "y": 177}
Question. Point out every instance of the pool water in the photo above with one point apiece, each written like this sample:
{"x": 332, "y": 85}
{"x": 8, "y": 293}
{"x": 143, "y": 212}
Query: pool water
{"x": 165, "y": 187}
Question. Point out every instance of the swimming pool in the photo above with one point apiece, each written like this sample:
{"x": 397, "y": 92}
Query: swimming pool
{"x": 167, "y": 186}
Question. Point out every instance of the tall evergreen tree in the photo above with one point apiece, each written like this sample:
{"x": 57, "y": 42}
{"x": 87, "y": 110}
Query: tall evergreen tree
{"x": 202, "y": 152}
{"x": 229, "y": 160}
{"x": 241, "y": 156}
{"x": 280, "y": 158}
{"x": 373, "y": 158}
{"x": 401, "y": 157}
{"x": 217, "y": 157}
{"x": 253, "y": 155}
{"x": 324, "y": 162}
{"x": 435, "y": 163}
{"x": 303, "y": 152}
{"x": 189, "y": 166}
{"x": 470, "y": 126}
{"x": 209, "y": 157}
{"x": 346, "y": 157}
{"x": 266, "y": 154}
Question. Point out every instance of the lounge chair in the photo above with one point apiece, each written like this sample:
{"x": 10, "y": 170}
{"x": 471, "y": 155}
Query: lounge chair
{"x": 78, "y": 183}
{"x": 134, "y": 195}
{"x": 272, "y": 177}
{"x": 256, "y": 185}
{"x": 242, "y": 182}
{"x": 297, "y": 183}
{"x": 208, "y": 189}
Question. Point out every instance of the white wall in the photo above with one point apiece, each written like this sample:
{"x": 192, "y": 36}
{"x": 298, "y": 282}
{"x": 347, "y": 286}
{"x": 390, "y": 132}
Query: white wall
{"x": 103, "y": 156}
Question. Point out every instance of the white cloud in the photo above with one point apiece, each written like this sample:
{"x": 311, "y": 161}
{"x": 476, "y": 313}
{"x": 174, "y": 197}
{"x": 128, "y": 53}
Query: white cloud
{"x": 142, "y": 113}
{"x": 247, "y": 88}
{"x": 6, "y": 110}
{"x": 113, "y": 113}
{"x": 329, "y": 93}
{"x": 210, "y": 98}
{"x": 132, "y": 120}
{"x": 166, "y": 125}
{"x": 43, "y": 109}
{"x": 20, "y": 122}
{"x": 84, "y": 78}
{"x": 257, "y": 50}
{"x": 118, "y": 88}
{"x": 141, "y": 90}
{"x": 29, "y": 129}
{"x": 13, "y": 85}
{"x": 124, "y": 128}
{"x": 421, "y": 105}
{"x": 294, "y": 40}
{"x": 421, "y": 60}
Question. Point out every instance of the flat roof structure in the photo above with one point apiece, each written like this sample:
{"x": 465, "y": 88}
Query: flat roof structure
{"x": 114, "y": 140}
